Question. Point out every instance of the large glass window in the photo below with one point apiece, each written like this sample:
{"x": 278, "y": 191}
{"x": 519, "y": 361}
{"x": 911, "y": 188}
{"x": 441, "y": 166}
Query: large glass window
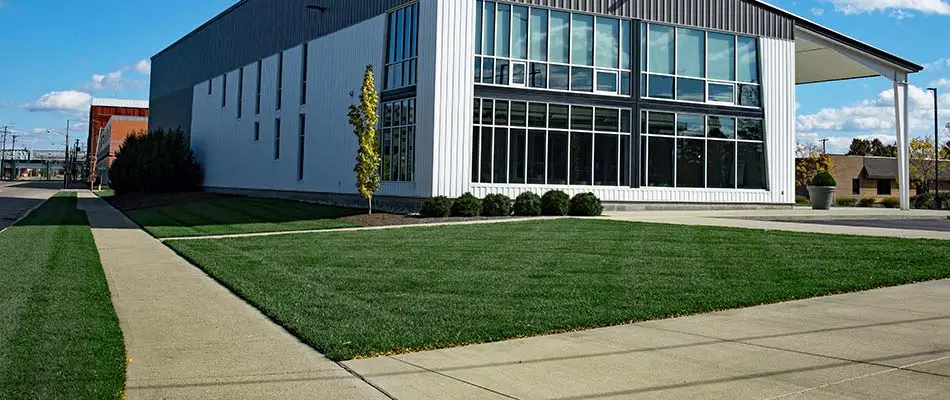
{"x": 703, "y": 151}
{"x": 400, "y": 68}
{"x": 554, "y": 50}
{"x": 562, "y": 145}
{"x": 698, "y": 66}
{"x": 398, "y": 140}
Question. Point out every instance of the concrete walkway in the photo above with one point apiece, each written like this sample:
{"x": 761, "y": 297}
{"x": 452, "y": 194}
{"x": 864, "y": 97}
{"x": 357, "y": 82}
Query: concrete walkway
{"x": 187, "y": 337}
{"x": 777, "y": 220}
{"x": 883, "y": 344}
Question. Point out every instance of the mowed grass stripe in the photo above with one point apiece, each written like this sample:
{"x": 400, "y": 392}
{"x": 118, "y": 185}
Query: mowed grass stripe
{"x": 59, "y": 335}
{"x": 351, "y": 294}
{"x": 238, "y": 215}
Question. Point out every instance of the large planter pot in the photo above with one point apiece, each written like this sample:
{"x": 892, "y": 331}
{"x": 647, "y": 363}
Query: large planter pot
{"x": 822, "y": 197}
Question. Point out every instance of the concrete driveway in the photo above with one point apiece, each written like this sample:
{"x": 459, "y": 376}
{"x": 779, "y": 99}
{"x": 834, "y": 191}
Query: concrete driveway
{"x": 18, "y": 198}
{"x": 891, "y": 343}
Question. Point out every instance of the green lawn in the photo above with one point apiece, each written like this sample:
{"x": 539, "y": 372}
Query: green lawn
{"x": 59, "y": 335}
{"x": 231, "y": 215}
{"x": 352, "y": 294}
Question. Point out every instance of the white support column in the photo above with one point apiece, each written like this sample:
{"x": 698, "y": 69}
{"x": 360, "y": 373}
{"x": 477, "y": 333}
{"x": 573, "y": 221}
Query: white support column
{"x": 903, "y": 142}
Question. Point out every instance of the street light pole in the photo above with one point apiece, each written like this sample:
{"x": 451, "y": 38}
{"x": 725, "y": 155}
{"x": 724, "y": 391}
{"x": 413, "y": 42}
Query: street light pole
{"x": 936, "y": 153}
{"x": 66, "y": 166}
{"x": 13, "y": 159}
{"x": 3, "y": 150}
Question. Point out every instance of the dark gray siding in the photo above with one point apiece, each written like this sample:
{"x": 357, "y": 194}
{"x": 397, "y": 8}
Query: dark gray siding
{"x": 248, "y": 31}
{"x": 740, "y": 16}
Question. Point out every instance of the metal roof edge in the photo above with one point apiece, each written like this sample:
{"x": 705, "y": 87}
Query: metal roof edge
{"x": 200, "y": 27}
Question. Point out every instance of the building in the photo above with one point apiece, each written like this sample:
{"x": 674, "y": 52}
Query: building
{"x": 874, "y": 177}
{"x": 100, "y": 112}
{"x": 666, "y": 101}
{"x": 111, "y": 138}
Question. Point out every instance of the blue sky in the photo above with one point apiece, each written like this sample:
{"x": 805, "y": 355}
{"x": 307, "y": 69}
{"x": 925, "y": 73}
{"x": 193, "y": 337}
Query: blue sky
{"x": 58, "y": 54}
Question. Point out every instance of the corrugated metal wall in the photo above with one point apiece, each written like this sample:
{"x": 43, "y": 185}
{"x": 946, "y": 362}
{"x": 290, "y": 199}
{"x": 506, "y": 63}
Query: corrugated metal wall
{"x": 778, "y": 86}
{"x": 741, "y": 16}
{"x": 249, "y": 31}
{"x": 446, "y": 93}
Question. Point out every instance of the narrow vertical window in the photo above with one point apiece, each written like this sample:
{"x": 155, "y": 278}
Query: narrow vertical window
{"x": 210, "y": 86}
{"x": 240, "y": 96}
{"x": 303, "y": 75}
{"x": 280, "y": 79}
{"x": 224, "y": 91}
{"x": 257, "y": 101}
{"x": 401, "y": 53}
{"x": 257, "y": 131}
{"x": 300, "y": 146}
{"x": 277, "y": 139}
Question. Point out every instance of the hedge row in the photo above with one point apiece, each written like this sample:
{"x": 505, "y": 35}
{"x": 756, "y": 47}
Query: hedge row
{"x": 890, "y": 202}
{"x": 528, "y": 204}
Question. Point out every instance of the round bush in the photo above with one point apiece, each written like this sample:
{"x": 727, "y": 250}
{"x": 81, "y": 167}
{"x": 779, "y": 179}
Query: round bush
{"x": 467, "y": 206}
{"x": 823, "y": 178}
{"x": 555, "y": 203}
{"x": 891, "y": 202}
{"x": 586, "y": 205}
{"x": 528, "y": 204}
{"x": 436, "y": 207}
{"x": 496, "y": 205}
{"x": 867, "y": 202}
{"x": 846, "y": 201}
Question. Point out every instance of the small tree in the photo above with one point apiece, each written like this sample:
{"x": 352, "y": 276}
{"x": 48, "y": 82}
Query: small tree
{"x": 922, "y": 163}
{"x": 364, "y": 119}
{"x": 809, "y": 161}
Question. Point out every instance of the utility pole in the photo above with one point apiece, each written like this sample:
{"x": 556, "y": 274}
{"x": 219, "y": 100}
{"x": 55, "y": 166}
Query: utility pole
{"x": 824, "y": 145}
{"x": 66, "y": 166}
{"x": 13, "y": 159}
{"x": 3, "y": 150}
{"x": 76, "y": 168}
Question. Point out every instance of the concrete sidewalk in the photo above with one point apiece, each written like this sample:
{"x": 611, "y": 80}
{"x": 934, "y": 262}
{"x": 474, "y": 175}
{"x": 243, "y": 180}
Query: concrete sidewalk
{"x": 187, "y": 337}
{"x": 882, "y": 344}
{"x": 771, "y": 220}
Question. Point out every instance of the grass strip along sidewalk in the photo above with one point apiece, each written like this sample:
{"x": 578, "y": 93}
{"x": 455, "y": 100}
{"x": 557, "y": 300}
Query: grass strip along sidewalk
{"x": 59, "y": 334}
{"x": 351, "y": 294}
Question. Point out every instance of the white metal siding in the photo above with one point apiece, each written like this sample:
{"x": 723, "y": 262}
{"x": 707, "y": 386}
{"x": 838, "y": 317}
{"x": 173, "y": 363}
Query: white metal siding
{"x": 226, "y": 148}
{"x": 446, "y": 93}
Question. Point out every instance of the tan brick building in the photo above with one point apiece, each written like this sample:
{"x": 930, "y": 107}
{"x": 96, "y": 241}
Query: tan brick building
{"x": 875, "y": 177}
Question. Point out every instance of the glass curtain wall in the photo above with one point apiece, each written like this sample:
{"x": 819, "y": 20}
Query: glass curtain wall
{"x": 398, "y": 141}
{"x": 516, "y": 142}
{"x": 698, "y": 66}
{"x": 539, "y": 48}
{"x": 688, "y": 150}
{"x": 401, "y": 54}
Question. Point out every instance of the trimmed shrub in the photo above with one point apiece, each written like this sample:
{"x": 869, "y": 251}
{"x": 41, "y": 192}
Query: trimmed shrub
{"x": 867, "y": 202}
{"x": 157, "y": 162}
{"x": 802, "y": 200}
{"x": 891, "y": 202}
{"x": 436, "y": 207}
{"x": 846, "y": 201}
{"x": 925, "y": 201}
{"x": 527, "y": 204}
{"x": 496, "y": 205}
{"x": 823, "y": 178}
{"x": 555, "y": 203}
{"x": 467, "y": 206}
{"x": 586, "y": 205}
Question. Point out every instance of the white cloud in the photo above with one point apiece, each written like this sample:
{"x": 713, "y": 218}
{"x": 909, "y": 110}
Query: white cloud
{"x": 112, "y": 81}
{"x": 938, "y": 65}
{"x": 67, "y": 101}
{"x": 873, "y": 116}
{"x": 942, "y": 82}
{"x": 144, "y": 67}
{"x": 817, "y": 11}
{"x": 898, "y": 8}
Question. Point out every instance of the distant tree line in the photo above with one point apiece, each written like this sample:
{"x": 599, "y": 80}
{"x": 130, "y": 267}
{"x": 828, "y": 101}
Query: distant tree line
{"x": 876, "y": 148}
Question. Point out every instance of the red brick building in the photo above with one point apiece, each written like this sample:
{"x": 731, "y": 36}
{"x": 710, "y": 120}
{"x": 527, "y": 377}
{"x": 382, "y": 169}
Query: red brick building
{"x": 101, "y": 111}
{"x": 111, "y": 138}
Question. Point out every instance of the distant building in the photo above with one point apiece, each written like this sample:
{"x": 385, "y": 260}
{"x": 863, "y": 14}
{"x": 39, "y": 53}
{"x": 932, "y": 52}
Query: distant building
{"x": 111, "y": 138}
{"x": 100, "y": 112}
{"x": 875, "y": 177}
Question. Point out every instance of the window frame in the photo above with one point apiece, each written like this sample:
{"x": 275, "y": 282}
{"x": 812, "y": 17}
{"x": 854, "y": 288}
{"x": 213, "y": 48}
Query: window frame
{"x": 404, "y": 53}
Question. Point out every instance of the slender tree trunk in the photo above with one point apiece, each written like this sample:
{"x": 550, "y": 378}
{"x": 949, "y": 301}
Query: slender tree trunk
{"x": 370, "y": 206}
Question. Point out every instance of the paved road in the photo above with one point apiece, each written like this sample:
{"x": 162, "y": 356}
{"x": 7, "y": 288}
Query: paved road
{"x": 17, "y": 198}
{"x": 883, "y": 344}
{"x": 918, "y": 224}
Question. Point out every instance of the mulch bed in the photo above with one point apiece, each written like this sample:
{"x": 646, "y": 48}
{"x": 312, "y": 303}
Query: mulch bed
{"x": 382, "y": 219}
